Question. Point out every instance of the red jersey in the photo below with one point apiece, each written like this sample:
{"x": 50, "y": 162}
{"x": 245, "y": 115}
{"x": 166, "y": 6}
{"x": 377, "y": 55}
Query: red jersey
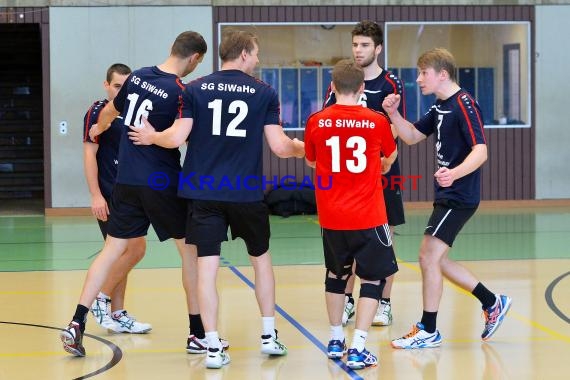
{"x": 346, "y": 142}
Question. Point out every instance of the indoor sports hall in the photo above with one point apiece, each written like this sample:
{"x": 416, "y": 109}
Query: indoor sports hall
{"x": 511, "y": 57}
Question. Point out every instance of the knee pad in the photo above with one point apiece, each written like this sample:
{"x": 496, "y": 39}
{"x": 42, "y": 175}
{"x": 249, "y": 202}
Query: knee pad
{"x": 335, "y": 285}
{"x": 369, "y": 290}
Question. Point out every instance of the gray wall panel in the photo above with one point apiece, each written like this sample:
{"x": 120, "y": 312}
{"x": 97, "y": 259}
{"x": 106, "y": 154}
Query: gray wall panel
{"x": 552, "y": 110}
{"x": 84, "y": 42}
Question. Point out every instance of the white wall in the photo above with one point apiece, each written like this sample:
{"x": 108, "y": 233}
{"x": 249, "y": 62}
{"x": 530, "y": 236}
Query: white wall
{"x": 552, "y": 102}
{"x": 84, "y": 42}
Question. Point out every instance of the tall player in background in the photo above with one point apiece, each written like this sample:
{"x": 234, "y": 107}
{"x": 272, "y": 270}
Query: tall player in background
{"x": 353, "y": 233}
{"x": 100, "y": 159}
{"x": 367, "y": 40}
{"x": 224, "y": 117}
{"x": 138, "y": 200}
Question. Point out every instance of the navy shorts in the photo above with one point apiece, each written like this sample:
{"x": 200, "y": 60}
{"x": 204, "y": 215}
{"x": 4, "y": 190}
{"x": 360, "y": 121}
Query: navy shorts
{"x": 208, "y": 222}
{"x": 446, "y": 221}
{"x": 134, "y": 208}
{"x": 371, "y": 249}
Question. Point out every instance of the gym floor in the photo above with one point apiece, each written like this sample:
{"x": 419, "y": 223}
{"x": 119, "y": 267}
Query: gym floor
{"x": 519, "y": 251}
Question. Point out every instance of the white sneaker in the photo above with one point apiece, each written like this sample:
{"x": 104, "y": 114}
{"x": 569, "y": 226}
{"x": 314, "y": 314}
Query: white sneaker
{"x": 383, "y": 315}
{"x": 349, "y": 311}
{"x": 418, "y": 338}
{"x": 217, "y": 358}
{"x": 195, "y": 345}
{"x": 128, "y": 324}
{"x": 101, "y": 310}
{"x": 271, "y": 345}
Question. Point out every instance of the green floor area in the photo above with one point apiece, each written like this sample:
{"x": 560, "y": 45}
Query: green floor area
{"x": 30, "y": 243}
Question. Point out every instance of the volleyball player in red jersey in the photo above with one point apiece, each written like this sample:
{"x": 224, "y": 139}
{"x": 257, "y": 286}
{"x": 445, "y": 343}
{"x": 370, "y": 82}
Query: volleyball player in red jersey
{"x": 345, "y": 142}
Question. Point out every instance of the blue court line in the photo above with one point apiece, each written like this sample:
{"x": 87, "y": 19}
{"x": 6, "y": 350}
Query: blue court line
{"x": 298, "y": 326}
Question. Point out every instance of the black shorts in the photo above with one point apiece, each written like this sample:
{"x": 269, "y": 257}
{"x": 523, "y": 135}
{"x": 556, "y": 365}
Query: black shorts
{"x": 134, "y": 208}
{"x": 370, "y": 248}
{"x": 446, "y": 221}
{"x": 103, "y": 225}
{"x": 394, "y": 206}
{"x": 208, "y": 221}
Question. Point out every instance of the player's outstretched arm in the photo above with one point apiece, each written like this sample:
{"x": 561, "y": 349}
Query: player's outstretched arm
{"x": 172, "y": 137}
{"x": 281, "y": 145}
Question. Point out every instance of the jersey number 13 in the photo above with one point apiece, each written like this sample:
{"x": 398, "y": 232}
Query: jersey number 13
{"x": 357, "y": 144}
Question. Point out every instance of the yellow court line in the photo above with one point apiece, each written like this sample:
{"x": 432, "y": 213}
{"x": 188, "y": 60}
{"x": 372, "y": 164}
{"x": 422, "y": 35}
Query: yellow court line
{"x": 512, "y": 313}
{"x": 32, "y": 354}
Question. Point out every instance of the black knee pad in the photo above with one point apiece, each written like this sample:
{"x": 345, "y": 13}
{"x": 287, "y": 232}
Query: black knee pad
{"x": 335, "y": 285}
{"x": 369, "y": 290}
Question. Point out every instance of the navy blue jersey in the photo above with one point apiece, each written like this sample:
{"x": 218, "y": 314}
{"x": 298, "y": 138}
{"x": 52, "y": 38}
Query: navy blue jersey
{"x": 224, "y": 158}
{"x": 108, "y": 150}
{"x": 458, "y": 126}
{"x": 156, "y": 95}
{"x": 375, "y": 90}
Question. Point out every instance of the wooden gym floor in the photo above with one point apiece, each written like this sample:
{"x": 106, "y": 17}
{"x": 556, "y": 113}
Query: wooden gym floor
{"x": 523, "y": 252}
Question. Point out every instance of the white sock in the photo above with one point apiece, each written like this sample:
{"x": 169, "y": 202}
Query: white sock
{"x": 213, "y": 340}
{"x": 268, "y": 325}
{"x": 359, "y": 339}
{"x": 337, "y": 333}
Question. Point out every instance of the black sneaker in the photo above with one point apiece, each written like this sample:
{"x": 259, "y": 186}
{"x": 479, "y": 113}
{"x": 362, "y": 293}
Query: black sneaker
{"x": 72, "y": 338}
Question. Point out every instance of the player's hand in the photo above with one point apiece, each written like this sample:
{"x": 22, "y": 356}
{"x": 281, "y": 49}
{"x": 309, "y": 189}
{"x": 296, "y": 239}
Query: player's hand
{"x": 299, "y": 147}
{"x": 385, "y": 165}
{"x": 444, "y": 177}
{"x": 391, "y": 103}
{"x": 94, "y": 132}
{"x": 99, "y": 207}
{"x": 143, "y": 135}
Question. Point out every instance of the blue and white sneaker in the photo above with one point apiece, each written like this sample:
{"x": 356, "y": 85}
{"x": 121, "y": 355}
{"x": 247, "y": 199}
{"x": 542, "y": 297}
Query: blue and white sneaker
{"x": 360, "y": 360}
{"x": 336, "y": 349}
{"x": 495, "y": 314}
{"x": 418, "y": 338}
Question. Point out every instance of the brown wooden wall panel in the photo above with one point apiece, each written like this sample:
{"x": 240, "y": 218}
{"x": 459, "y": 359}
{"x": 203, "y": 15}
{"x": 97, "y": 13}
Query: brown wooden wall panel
{"x": 509, "y": 172}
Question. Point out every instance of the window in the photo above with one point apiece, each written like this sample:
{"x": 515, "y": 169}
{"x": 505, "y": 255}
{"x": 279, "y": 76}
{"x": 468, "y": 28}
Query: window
{"x": 296, "y": 59}
{"x": 493, "y": 61}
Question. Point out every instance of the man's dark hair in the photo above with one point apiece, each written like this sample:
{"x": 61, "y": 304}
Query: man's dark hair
{"x": 187, "y": 44}
{"x": 370, "y": 29}
{"x": 118, "y": 68}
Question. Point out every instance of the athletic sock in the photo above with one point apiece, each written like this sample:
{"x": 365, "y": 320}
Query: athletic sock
{"x": 337, "y": 333}
{"x": 196, "y": 326}
{"x": 213, "y": 340}
{"x": 359, "y": 339}
{"x": 80, "y": 316}
{"x": 268, "y": 325}
{"x": 429, "y": 320}
{"x": 484, "y": 295}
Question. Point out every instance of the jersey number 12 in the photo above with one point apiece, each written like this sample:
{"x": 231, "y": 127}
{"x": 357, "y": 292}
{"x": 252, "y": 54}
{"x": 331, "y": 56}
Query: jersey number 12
{"x": 238, "y": 107}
